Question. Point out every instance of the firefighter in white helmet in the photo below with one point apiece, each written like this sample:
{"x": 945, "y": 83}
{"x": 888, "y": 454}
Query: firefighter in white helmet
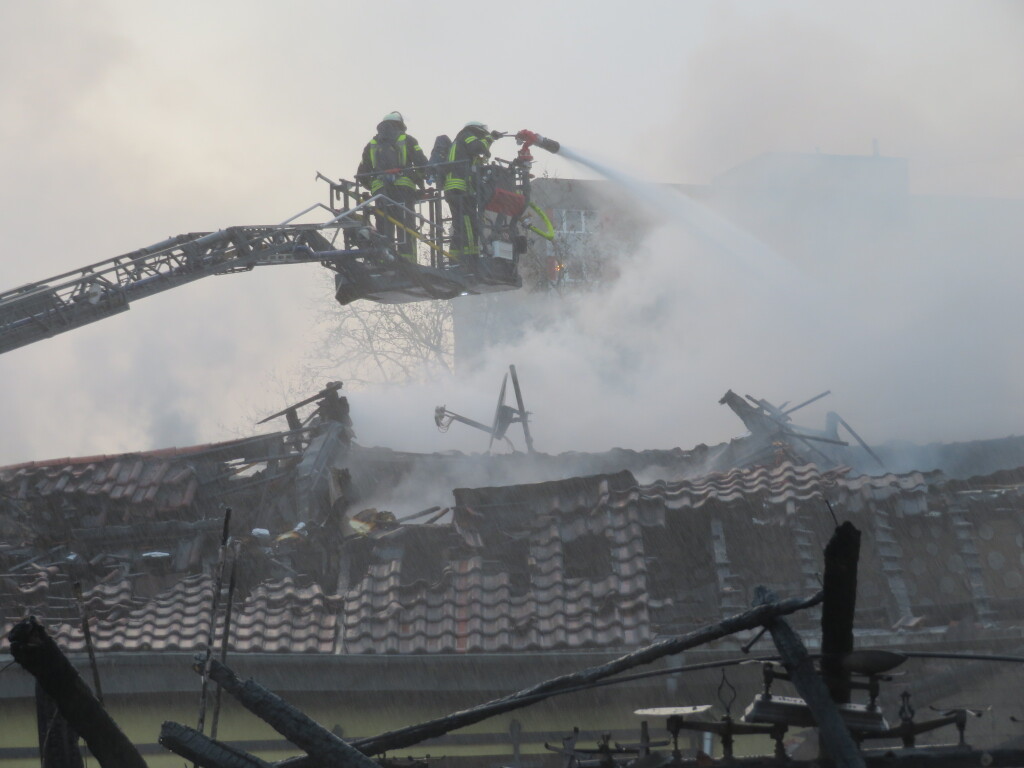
{"x": 390, "y": 166}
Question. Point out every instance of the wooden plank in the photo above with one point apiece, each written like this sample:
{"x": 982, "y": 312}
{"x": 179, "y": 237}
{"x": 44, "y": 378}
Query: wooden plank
{"x": 401, "y": 738}
{"x": 835, "y": 736}
{"x": 300, "y": 729}
{"x": 40, "y": 656}
{"x": 204, "y": 751}
{"x": 837, "y": 609}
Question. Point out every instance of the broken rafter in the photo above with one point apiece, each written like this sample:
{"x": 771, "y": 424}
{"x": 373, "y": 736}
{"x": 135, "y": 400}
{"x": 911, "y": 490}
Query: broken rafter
{"x": 204, "y": 751}
{"x": 76, "y": 588}
{"x": 214, "y": 600}
{"x": 225, "y": 638}
{"x": 40, "y": 655}
{"x": 301, "y": 730}
{"x": 837, "y": 610}
{"x": 412, "y": 735}
{"x": 834, "y": 734}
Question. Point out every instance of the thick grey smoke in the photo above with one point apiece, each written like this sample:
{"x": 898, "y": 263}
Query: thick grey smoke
{"x": 912, "y": 330}
{"x": 932, "y": 82}
{"x": 912, "y": 326}
{"x": 125, "y": 123}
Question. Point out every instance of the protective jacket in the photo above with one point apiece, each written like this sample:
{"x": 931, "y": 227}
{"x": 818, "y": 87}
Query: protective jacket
{"x": 392, "y": 149}
{"x": 470, "y": 148}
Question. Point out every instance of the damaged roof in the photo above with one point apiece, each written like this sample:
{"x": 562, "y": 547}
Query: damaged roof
{"x": 601, "y": 561}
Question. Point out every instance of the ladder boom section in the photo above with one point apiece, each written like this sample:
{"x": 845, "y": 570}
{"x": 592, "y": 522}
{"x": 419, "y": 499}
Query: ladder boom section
{"x": 41, "y": 310}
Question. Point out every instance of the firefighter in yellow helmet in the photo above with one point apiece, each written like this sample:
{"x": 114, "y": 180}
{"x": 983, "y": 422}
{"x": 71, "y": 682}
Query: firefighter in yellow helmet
{"x": 470, "y": 148}
{"x": 390, "y": 166}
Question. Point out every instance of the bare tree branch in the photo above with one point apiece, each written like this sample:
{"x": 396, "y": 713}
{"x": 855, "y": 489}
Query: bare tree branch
{"x": 365, "y": 342}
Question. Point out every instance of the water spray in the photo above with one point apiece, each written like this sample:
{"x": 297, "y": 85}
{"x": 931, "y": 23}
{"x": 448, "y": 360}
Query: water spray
{"x": 749, "y": 254}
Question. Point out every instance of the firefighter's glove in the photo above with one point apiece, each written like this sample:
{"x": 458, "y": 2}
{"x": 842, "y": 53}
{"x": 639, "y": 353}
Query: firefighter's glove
{"x": 496, "y": 134}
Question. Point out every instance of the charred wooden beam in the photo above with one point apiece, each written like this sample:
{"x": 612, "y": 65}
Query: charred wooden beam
{"x": 204, "y": 751}
{"x": 58, "y": 742}
{"x": 406, "y": 737}
{"x": 225, "y": 638}
{"x": 835, "y": 736}
{"x": 40, "y": 656}
{"x": 837, "y": 609}
{"x": 214, "y": 600}
{"x": 76, "y": 589}
{"x": 301, "y": 730}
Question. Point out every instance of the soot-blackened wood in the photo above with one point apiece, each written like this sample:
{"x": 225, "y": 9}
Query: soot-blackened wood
{"x": 40, "y": 656}
{"x": 835, "y": 736}
{"x": 218, "y": 582}
{"x": 302, "y": 731}
{"x": 225, "y": 637}
{"x": 406, "y": 737}
{"x": 837, "y": 609}
{"x": 204, "y": 751}
{"x": 58, "y": 742}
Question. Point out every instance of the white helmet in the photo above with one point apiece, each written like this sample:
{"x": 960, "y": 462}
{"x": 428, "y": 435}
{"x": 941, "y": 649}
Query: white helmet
{"x": 393, "y": 117}
{"x": 476, "y": 124}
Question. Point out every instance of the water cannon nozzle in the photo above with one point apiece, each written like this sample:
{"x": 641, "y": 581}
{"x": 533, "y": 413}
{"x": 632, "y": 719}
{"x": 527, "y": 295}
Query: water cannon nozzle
{"x": 527, "y": 138}
{"x": 550, "y": 145}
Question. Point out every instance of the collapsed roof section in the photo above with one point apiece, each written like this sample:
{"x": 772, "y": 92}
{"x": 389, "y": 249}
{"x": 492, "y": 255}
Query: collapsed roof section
{"x": 597, "y": 561}
{"x": 328, "y": 553}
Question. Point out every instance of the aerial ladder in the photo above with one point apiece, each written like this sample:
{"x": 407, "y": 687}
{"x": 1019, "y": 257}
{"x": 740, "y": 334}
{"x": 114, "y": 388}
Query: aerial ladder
{"x": 365, "y": 263}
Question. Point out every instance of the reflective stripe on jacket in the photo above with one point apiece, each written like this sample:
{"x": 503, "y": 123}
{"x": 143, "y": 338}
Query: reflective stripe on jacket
{"x": 406, "y": 178}
{"x": 468, "y": 146}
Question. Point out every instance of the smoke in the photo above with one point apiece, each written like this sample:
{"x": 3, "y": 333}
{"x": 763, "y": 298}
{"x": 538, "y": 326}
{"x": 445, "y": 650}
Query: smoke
{"x": 909, "y": 324}
{"x": 902, "y": 305}
{"x": 751, "y": 259}
{"x": 112, "y": 143}
{"x": 932, "y": 82}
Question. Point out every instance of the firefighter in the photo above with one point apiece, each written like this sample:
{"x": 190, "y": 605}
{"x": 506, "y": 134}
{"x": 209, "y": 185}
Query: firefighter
{"x": 471, "y": 147}
{"x": 389, "y": 167}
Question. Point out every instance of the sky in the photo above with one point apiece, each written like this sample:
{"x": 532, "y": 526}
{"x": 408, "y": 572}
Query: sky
{"x": 127, "y": 122}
